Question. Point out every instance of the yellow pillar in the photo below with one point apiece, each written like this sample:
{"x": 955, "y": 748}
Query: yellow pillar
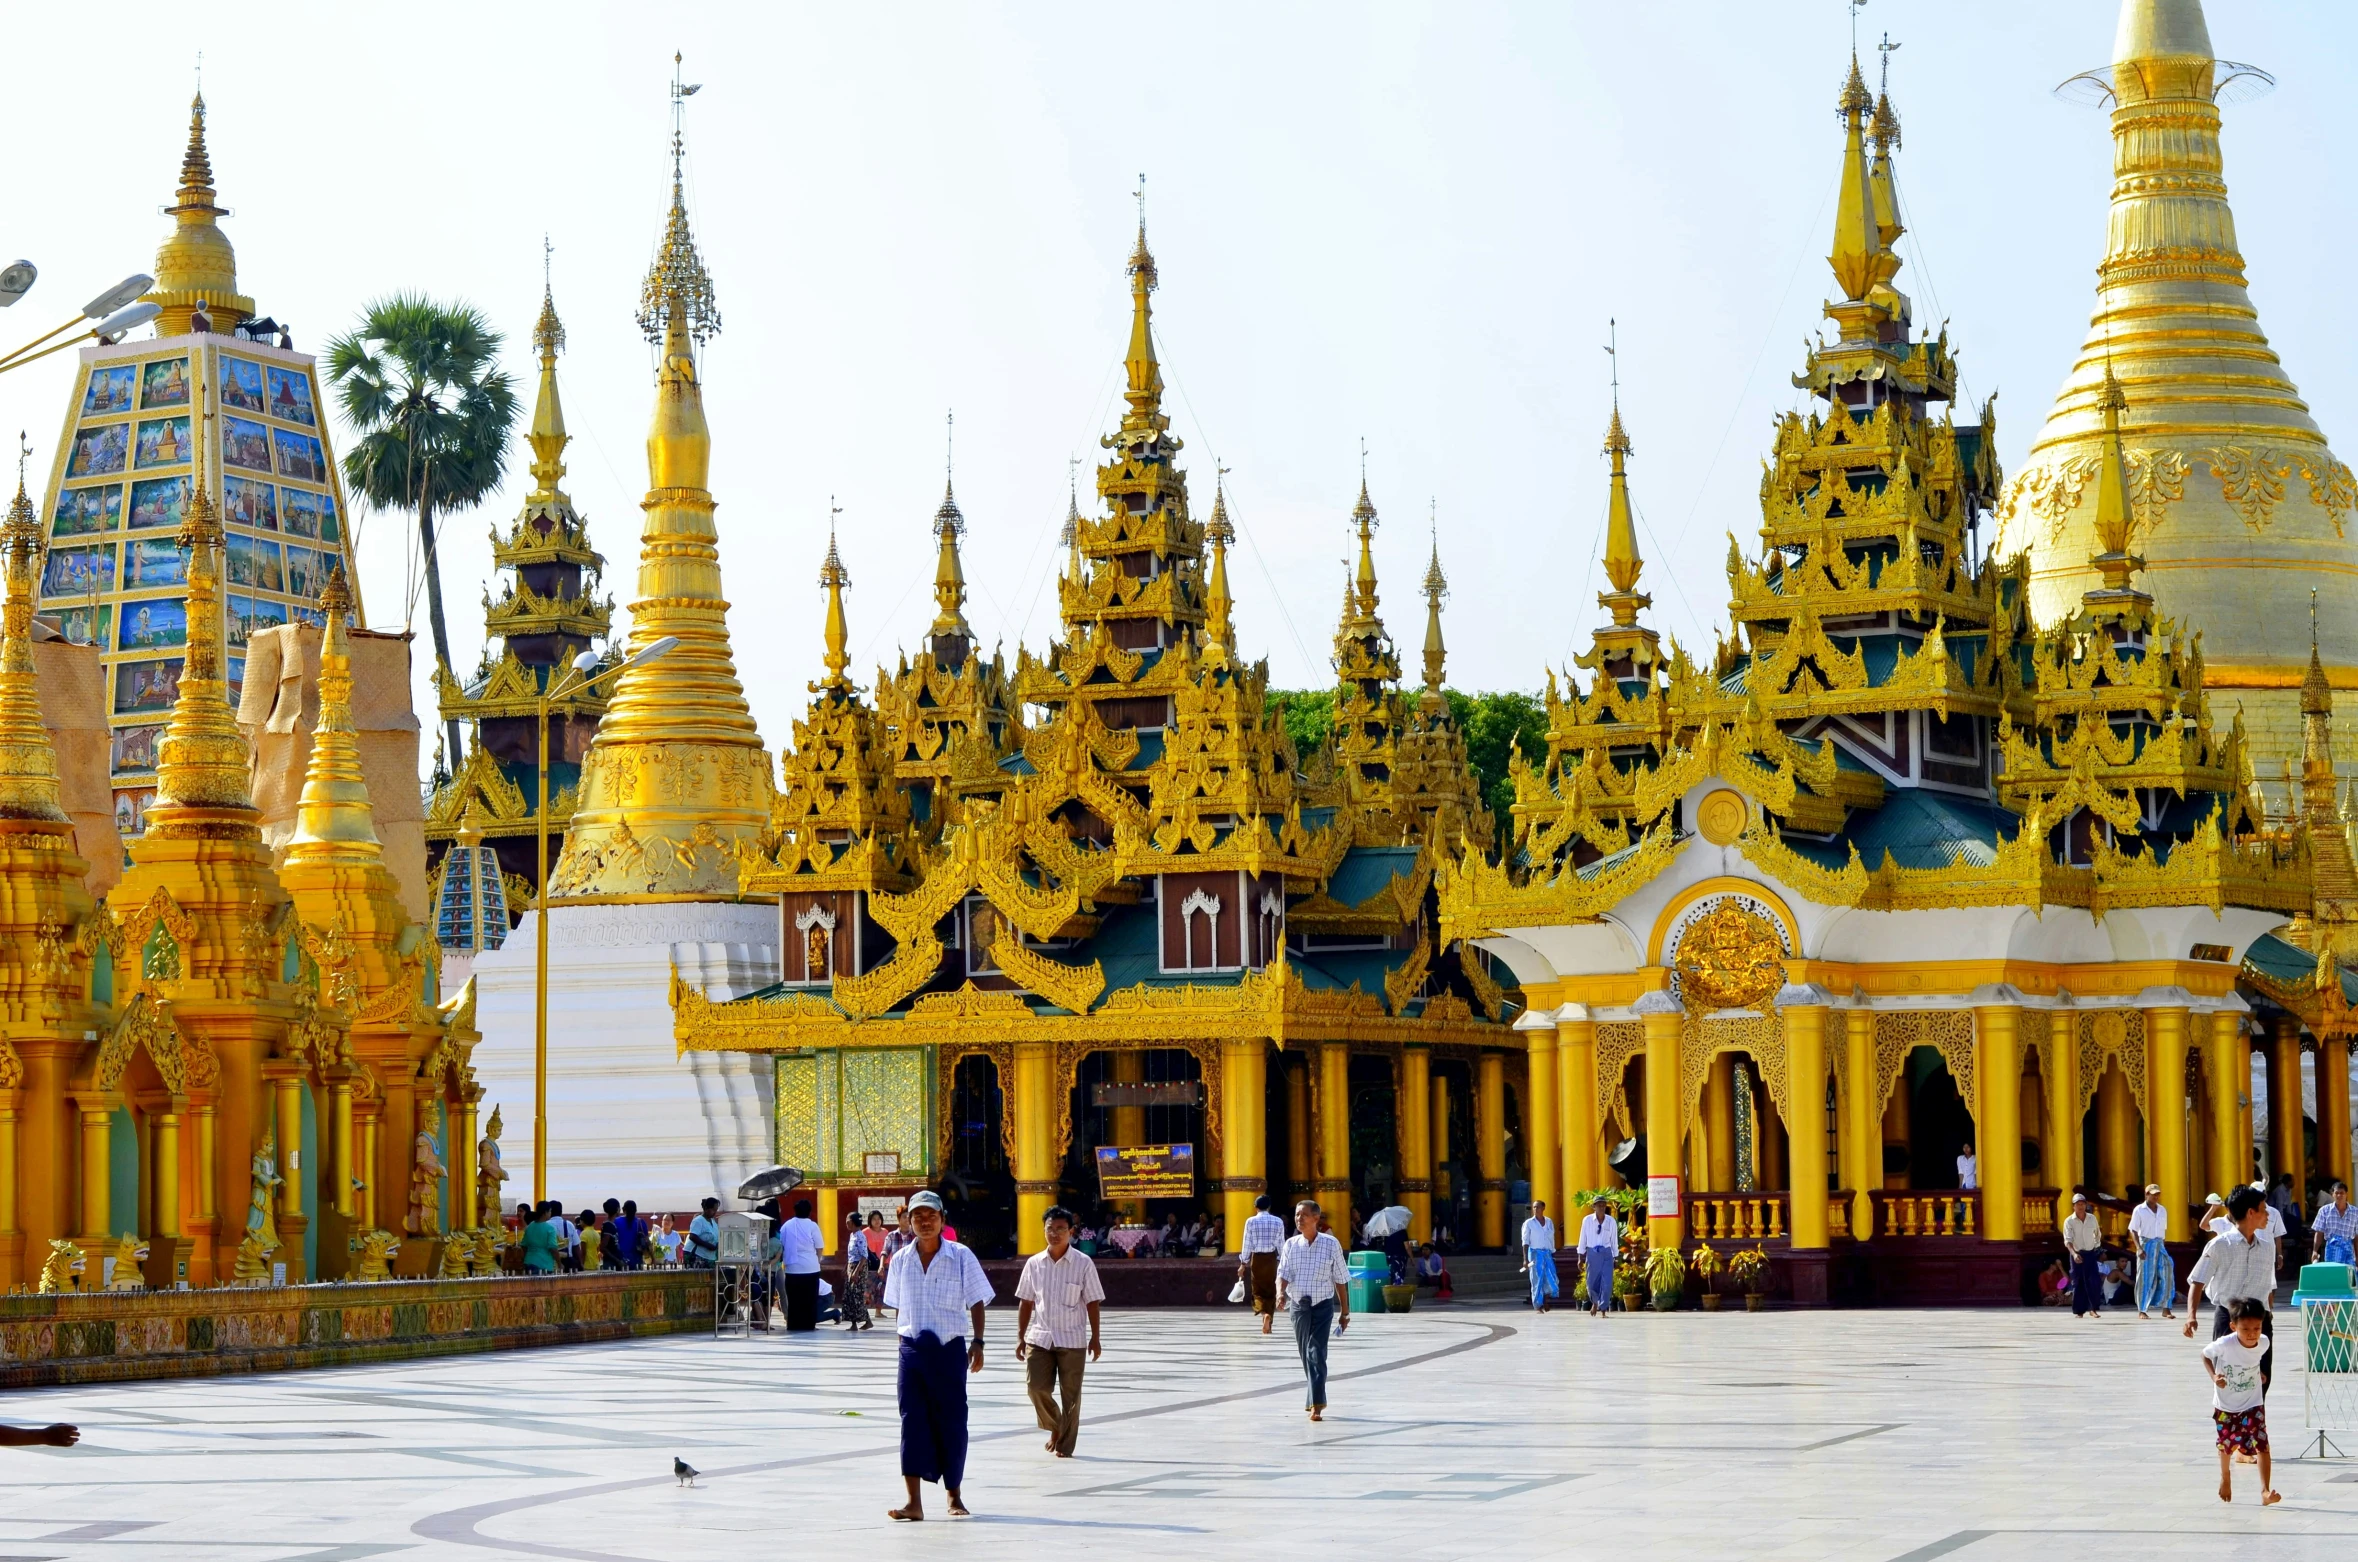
{"x": 1334, "y": 1134}
{"x": 1997, "y": 1128}
{"x": 1244, "y": 1133}
{"x": 2333, "y": 1109}
{"x": 829, "y": 1204}
{"x": 205, "y": 1265}
{"x": 1576, "y": 1098}
{"x": 1415, "y": 1119}
{"x": 2061, "y": 1081}
{"x": 1297, "y": 1131}
{"x": 2116, "y": 1131}
{"x": 340, "y": 1144}
{"x": 2247, "y": 1157}
{"x": 167, "y": 1172}
{"x": 1662, "y": 1019}
{"x": 1715, "y": 1165}
{"x": 97, "y": 1170}
{"x": 2165, "y": 1101}
{"x": 12, "y": 1237}
{"x": 1490, "y": 1149}
{"x": 1805, "y": 1014}
{"x": 1443, "y": 1192}
{"x": 368, "y": 1161}
{"x": 2285, "y": 1118}
{"x": 1541, "y": 1148}
{"x": 1035, "y": 1126}
{"x": 1128, "y": 1125}
{"x": 1862, "y": 1119}
{"x": 465, "y": 1194}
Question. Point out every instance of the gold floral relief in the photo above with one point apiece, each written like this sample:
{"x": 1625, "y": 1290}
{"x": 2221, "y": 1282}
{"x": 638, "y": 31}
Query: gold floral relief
{"x": 1731, "y": 957}
{"x": 2252, "y": 480}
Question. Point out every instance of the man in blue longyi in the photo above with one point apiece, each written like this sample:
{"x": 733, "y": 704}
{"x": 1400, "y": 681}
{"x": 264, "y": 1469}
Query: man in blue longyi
{"x": 938, "y": 1290}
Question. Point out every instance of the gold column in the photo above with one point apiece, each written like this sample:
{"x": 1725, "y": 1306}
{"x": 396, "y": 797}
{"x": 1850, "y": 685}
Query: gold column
{"x": 1490, "y": 1149}
{"x": 1334, "y": 1134}
{"x": 368, "y": 1161}
{"x": 2116, "y": 1131}
{"x": 1415, "y": 1119}
{"x": 1035, "y": 1126}
{"x": 1128, "y": 1125}
{"x": 2165, "y": 1101}
{"x": 1541, "y": 1148}
{"x": 1715, "y": 1166}
{"x": 2062, "y": 1084}
{"x": 1997, "y": 1127}
{"x": 829, "y": 1204}
{"x": 166, "y": 1134}
{"x": 2285, "y": 1118}
{"x": 12, "y": 1237}
{"x": 340, "y": 1141}
{"x": 1663, "y": 1019}
{"x": 1862, "y": 1119}
{"x": 287, "y": 1112}
{"x": 1444, "y": 1194}
{"x": 1297, "y": 1129}
{"x": 1576, "y": 1097}
{"x": 204, "y": 1266}
{"x": 97, "y": 1170}
{"x": 1244, "y": 1133}
{"x": 465, "y": 1194}
{"x": 1805, "y": 1090}
{"x": 2333, "y": 1109}
{"x": 2247, "y": 1157}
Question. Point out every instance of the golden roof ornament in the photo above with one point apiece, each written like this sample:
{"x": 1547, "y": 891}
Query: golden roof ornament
{"x": 949, "y": 573}
{"x": 1219, "y": 604}
{"x": 1859, "y": 258}
{"x": 547, "y": 436}
{"x": 196, "y": 266}
{"x": 833, "y": 577}
{"x": 202, "y": 760}
{"x": 1432, "y": 702}
{"x": 2113, "y": 515}
{"x": 29, "y": 786}
{"x": 334, "y": 821}
{"x": 677, "y": 305}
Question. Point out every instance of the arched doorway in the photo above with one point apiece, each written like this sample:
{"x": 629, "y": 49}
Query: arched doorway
{"x": 978, "y": 1182}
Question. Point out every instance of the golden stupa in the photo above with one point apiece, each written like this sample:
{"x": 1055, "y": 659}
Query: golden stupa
{"x": 2236, "y": 498}
{"x": 677, "y": 775}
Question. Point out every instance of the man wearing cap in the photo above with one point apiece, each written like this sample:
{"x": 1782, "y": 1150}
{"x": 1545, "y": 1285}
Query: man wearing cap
{"x": 938, "y": 1291}
{"x": 2083, "y": 1239}
{"x": 2157, "y": 1280}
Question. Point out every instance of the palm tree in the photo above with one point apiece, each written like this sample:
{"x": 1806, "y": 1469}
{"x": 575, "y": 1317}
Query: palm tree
{"x": 420, "y": 383}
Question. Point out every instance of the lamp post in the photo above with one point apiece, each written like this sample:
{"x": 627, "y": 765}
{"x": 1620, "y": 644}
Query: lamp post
{"x": 116, "y": 311}
{"x": 583, "y": 674}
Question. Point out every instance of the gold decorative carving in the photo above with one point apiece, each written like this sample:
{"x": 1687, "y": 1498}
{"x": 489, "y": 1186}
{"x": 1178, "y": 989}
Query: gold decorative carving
{"x": 1721, "y": 816}
{"x": 1901, "y": 1031}
{"x": 1730, "y": 956}
{"x": 1617, "y": 1042}
{"x": 2111, "y": 1034}
{"x": 2331, "y": 487}
{"x": 2252, "y": 480}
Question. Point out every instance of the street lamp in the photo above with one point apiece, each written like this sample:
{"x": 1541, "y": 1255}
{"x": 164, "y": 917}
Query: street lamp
{"x": 584, "y": 673}
{"x": 116, "y": 310}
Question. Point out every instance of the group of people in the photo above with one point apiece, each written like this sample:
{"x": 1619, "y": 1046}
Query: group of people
{"x": 1598, "y": 1245}
{"x": 619, "y": 1237}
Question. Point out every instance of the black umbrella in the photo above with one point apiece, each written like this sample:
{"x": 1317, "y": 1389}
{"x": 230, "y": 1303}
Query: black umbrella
{"x": 769, "y": 1184}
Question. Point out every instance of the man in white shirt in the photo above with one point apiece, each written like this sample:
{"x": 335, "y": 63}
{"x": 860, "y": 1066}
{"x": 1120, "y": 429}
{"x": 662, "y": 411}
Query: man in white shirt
{"x": 1599, "y": 1243}
{"x": 2271, "y": 1232}
{"x": 800, "y": 1241}
{"x": 937, "y": 1291}
{"x": 1256, "y": 1259}
{"x": 2083, "y": 1240}
{"x": 1539, "y": 1255}
{"x": 1315, "y": 1283}
{"x": 2157, "y": 1279}
{"x": 1055, "y": 1328}
{"x": 1968, "y": 1169}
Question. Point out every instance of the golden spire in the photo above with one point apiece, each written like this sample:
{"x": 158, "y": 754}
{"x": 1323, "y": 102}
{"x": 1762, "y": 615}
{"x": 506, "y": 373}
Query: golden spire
{"x": 1859, "y": 259}
{"x": 1885, "y": 127}
{"x": 2316, "y": 691}
{"x": 202, "y": 759}
{"x": 1070, "y": 537}
{"x": 29, "y": 788}
{"x": 333, "y": 821}
{"x": 1431, "y": 702}
{"x": 548, "y": 435}
{"x": 1219, "y": 531}
{"x": 1145, "y": 392}
{"x": 676, "y": 774}
{"x": 2113, "y": 514}
{"x": 1623, "y": 564}
{"x": 1363, "y": 519}
{"x": 196, "y": 262}
{"x": 949, "y": 575}
{"x": 834, "y": 577}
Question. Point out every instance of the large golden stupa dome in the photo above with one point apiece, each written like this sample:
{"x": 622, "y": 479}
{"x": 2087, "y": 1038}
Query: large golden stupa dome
{"x": 2240, "y": 508}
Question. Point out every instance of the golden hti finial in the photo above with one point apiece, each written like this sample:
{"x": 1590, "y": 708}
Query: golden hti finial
{"x": 1219, "y": 605}
{"x": 196, "y": 266}
{"x": 677, "y": 306}
{"x": 1070, "y": 538}
{"x": 202, "y": 761}
{"x": 1884, "y": 126}
{"x": 547, "y": 436}
{"x": 834, "y": 577}
{"x": 29, "y": 787}
{"x": 1859, "y": 258}
{"x": 949, "y": 573}
{"x": 1365, "y": 521}
{"x": 1145, "y": 392}
{"x": 334, "y": 821}
{"x": 1623, "y": 563}
{"x": 1432, "y": 702}
{"x": 2113, "y": 513}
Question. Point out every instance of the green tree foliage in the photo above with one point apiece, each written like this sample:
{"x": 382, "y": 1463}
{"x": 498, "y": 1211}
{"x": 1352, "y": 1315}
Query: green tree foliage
{"x": 1495, "y": 724}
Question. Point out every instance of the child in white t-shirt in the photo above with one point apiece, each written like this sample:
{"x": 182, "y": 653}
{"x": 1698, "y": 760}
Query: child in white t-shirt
{"x": 2238, "y": 1406}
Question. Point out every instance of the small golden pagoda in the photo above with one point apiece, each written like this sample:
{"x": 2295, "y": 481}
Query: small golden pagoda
{"x": 547, "y": 616}
{"x": 676, "y": 778}
{"x": 2230, "y": 484}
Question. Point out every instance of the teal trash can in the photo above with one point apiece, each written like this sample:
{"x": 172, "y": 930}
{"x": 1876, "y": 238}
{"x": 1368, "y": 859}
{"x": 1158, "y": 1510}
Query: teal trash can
{"x": 1370, "y": 1271}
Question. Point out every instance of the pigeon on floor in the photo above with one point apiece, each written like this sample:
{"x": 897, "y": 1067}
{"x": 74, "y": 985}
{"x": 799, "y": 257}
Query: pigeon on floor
{"x": 684, "y": 1471}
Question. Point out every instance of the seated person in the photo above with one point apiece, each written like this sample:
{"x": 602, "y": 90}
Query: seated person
{"x": 1431, "y": 1271}
{"x": 2054, "y": 1284}
{"x": 1191, "y": 1236}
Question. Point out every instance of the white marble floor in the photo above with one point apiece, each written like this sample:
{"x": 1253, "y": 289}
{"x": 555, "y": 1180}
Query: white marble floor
{"x": 1890, "y": 1436}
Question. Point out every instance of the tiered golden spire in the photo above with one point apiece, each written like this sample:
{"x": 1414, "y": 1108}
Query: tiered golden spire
{"x": 1361, "y": 604}
{"x": 202, "y": 759}
{"x": 548, "y": 436}
{"x": 677, "y": 774}
{"x": 2113, "y": 561}
{"x": 1623, "y": 563}
{"x": 1432, "y": 702}
{"x": 1860, "y": 258}
{"x": 334, "y": 821}
{"x": 29, "y": 787}
{"x": 1145, "y": 391}
{"x": 949, "y": 573}
{"x": 196, "y": 263}
{"x": 834, "y": 577}
{"x": 1219, "y": 605}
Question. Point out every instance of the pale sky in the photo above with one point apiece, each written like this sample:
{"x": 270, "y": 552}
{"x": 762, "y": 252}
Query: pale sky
{"x": 1399, "y": 223}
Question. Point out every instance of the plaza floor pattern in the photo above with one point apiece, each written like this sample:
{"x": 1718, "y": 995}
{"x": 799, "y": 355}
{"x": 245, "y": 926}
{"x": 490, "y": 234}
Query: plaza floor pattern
{"x": 1470, "y": 1432}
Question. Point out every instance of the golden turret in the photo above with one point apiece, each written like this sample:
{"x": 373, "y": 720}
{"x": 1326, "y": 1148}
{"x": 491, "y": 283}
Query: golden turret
{"x": 1363, "y": 593}
{"x": 676, "y": 776}
{"x": 1219, "y": 604}
{"x": 1432, "y": 702}
{"x": 30, "y": 793}
{"x": 334, "y": 822}
{"x": 2113, "y": 560}
{"x": 196, "y": 263}
{"x": 548, "y": 437}
{"x": 1623, "y": 563}
{"x": 2228, "y": 480}
{"x": 1861, "y": 258}
{"x": 203, "y": 786}
{"x": 833, "y": 577}
{"x": 952, "y": 636}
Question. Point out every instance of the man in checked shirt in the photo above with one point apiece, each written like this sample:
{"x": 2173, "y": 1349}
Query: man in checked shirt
{"x": 1055, "y": 1322}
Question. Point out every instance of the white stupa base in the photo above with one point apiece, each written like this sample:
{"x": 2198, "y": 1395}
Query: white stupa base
{"x": 629, "y": 1116}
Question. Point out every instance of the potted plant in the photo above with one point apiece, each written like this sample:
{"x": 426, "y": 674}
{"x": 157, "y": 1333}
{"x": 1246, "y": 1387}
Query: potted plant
{"x": 1705, "y": 1264}
{"x": 1666, "y": 1274}
{"x": 1749, "y": 1268}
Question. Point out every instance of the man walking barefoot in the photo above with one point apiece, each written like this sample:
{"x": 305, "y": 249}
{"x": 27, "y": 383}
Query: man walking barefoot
{"x": 1055, "y": 1322}
{"x": 1314, "y": 1283}
{"x": 1256, "y": 1259}
{"x": 939, "y": 1292}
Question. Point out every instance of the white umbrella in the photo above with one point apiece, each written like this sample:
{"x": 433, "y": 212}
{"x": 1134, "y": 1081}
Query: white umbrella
{"x": 1385, "y": 1221}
